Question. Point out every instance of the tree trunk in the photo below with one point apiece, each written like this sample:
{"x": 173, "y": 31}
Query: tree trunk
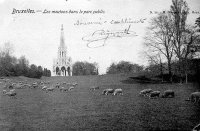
{"x": 186, "y": 73}
{"x": 170, "y": 71}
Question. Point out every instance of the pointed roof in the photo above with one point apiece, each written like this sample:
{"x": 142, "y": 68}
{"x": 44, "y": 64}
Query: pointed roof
{"x": 62, "y": 40}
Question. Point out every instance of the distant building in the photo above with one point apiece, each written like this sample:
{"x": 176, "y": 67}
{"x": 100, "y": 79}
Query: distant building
{"x": 62, "y": 66}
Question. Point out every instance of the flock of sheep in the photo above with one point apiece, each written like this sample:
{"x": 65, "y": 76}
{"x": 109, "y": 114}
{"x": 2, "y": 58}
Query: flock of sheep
{"x": 9, "y": 90}
{"x": 108, "y": 91}
{"x": 153, "y": 94}
{"x": 9, "y": 87}
{"x": 194, "y": 97}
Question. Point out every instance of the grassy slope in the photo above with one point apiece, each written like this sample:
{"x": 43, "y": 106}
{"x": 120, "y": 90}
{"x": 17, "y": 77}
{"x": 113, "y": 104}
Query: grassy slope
{"x": 82, "y": 109}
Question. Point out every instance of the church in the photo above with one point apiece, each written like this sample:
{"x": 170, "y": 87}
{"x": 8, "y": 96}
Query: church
{"x": 62, "y": 66}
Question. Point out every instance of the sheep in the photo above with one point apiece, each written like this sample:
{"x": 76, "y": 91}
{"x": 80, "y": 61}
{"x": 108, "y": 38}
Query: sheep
{"x": 154, "y": 94}
{"x": 10, "y": 87}
{"x": 74, "y": 84}
{"x": 196, "y": 128}
{"x": 4, "y": 91}
{"x": 194, "y": 97}
{"x": 34, "y": 85}
{"x": 11, "y": 93}
{"x": 168, "y": 94}
{"x": 107, "y": 91}
{"x": 44, "y": 87}
{"x": 63, "y": 89}
{"x": 13, "y": 84}
{"x": 57, "y": 85}
{"x": 146, "y": 91}
{"x": 118, "y": 91}
{"x": 94, "y": 87}
{"x": 70, "y": 88}
{"x": 12, "y": 90}
{"x": 50, "y": 89}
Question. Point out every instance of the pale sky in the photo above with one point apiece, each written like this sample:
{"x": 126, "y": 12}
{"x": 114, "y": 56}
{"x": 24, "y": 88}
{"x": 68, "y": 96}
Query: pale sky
{"x": 37, "y": 36}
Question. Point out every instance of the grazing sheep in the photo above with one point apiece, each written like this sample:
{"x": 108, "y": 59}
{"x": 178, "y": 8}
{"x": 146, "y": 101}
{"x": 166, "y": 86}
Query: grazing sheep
{"x": 70, "y": 88}
{"x": 154, "y": 94}
{"x": 63, "y": 89}
{"x": 94, "y": 87}
{"x": 50, "y": 89}
{"x": 57, "y": 85}
{"x": 34, "y": 85}
{"x": 10, "y": 87}
{"x": 118, "y": 91}
{"x": 10, "y": 93}
{"x": 107, "y": 91}
{"x": 4, "y": 91}
{"x": 12, "y": 90}
{"x": 146, "y": 91}
{"x": 196, "y": 128}
{"x": 74, "y": 84}
{"x": 26, "y": 85}
{"x": 13, "y": 84}
{"x": 168, "y": 94}
{"x": 194, "y": 97}
{"x": 44, "y": 87}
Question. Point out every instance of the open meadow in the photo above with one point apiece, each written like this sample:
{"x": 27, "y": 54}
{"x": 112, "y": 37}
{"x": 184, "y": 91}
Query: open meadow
{"x": 83, "y": 109}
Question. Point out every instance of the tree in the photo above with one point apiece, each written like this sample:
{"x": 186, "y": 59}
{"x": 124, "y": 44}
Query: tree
{"x": 159, "y": 38}
{"x": 197, "y": 22}
{"x": 85, "y": 68}
{"x": 23, "y": 64}
{"x": 7, "y": 62}
{"x": 179, "y": 9}
{"x": 156, "y": 61}
{"x": 123, "y": 67}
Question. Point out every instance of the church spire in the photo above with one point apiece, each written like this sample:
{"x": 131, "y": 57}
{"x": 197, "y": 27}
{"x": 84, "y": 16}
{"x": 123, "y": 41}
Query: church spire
{"x": 62, "y": 40}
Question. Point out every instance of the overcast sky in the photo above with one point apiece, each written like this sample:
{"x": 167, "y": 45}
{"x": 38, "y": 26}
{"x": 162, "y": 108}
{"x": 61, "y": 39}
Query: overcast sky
{"x": 37, "y": 35}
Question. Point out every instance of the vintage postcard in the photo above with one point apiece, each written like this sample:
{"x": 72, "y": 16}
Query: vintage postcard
{"x": 99, "y": 65}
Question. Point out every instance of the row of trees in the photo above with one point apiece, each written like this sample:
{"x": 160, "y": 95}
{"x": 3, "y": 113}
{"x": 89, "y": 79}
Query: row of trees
{"x": 171, "y": 41}
{"x": 124, "y": 67}
{"x": 85, "y": 68}
{"x": 11, "y": 66}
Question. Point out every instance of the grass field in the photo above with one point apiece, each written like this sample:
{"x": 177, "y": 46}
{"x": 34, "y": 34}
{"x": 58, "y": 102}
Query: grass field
{"x": 83, "y": 109}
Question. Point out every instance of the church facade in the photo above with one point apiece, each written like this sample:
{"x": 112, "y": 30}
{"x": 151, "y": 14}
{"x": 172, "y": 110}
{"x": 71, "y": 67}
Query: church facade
{"x": 62, "y": 66}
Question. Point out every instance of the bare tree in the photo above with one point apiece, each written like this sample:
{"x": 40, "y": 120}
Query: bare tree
{"x": 156, "y": 59}
{"x": 159, "y": 38}
{"x": 179, "y": 10}
{"x": 184, "y": 36}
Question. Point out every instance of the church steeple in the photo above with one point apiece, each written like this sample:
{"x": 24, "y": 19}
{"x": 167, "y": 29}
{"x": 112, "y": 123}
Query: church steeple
{"x": 62, "y": 40}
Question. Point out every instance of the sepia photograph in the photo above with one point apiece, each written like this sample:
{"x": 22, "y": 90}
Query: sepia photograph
{"x": 99, "y": 65}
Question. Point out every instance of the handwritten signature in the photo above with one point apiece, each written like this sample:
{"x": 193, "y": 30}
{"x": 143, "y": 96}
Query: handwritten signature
{"x": 98, "y": 38}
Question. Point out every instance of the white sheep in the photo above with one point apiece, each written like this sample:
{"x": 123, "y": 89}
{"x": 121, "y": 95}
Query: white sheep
{"x": 118, "y": 91}
{"x": 50, "y": 89}
{"x": 4, "y": 91}
{"x": 63, "y": 89}
{"x": 107, "y": 91}
{"x": 44, "y": 87}
{"x": 168, "y": 94}
{"x": 94, "y": 87}
{"x": 70, "y": 88}
{"x": 146, "y": 91}
{"x": 154, "y": 94}
{"x": 194, "y": 97}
